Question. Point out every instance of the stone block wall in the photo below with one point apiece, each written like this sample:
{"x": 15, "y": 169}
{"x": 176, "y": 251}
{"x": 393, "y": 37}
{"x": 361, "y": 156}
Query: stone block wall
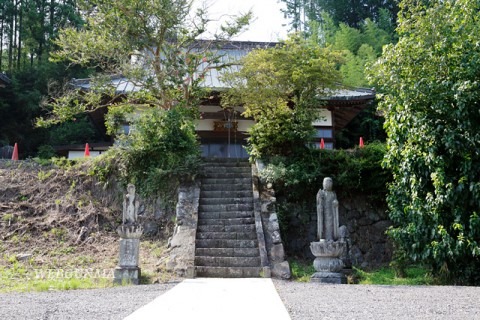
{"x": 366, "y": 222}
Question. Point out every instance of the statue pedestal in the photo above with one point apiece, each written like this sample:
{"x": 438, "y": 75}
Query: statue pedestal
{"x": 127, "y": 270}
{"x": 329, "y": 277}
{"x": 327, "y": 261}
{"x": 126, "y": 275}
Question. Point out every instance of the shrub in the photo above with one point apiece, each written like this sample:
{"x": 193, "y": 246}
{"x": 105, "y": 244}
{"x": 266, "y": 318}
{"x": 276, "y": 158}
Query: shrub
{"x": 297, "y": 179}
{"x": 161, "y": 151}
{"x": 431, "y": 101}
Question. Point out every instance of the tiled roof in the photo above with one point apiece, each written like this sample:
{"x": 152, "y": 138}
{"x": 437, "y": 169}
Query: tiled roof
{"x": 230, "y": 53}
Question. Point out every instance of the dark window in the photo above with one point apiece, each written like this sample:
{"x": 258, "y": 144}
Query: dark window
{"x": 324, "y": 133}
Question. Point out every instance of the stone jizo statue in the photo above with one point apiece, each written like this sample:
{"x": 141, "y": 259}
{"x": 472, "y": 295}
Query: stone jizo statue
{"x": 130, "y": 206}
{"x": 327, "y": 212}
{"x": 331, "y": 236}
{"x": 130, "y": 232}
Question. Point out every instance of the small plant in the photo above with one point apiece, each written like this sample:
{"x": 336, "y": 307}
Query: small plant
{"x": 45, "y": 152}
{"x": 42, "y": 175}
{"x": 15, "y": 239}
{"x": 64, "y": 163}
{"x": 83, "y": 260}
{"x": 146, "y": 277}
{"x": 42, "y": 162}
{"x": 59, "y": 233}
{"x": 387, "y": 276}
{"x": 11, "y": 259}
{"x": 301, "y": 270}
{"x": 8, "y": 217}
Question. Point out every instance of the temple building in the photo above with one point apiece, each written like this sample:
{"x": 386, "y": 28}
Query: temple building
{"x": 223, "y": 132}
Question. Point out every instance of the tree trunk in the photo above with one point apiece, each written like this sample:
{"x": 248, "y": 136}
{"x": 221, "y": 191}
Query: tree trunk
{"x": 19, "y": 51}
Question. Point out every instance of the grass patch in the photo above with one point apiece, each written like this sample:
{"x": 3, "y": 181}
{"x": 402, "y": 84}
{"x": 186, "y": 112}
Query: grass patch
{"x": 54, "y": 284}
{"x": 301, "y": 270}
{"x": 387, "y": 276}
{"x": 24, "y": 278}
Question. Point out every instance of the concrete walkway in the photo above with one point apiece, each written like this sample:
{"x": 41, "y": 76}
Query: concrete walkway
{"x": 214, "y": 298}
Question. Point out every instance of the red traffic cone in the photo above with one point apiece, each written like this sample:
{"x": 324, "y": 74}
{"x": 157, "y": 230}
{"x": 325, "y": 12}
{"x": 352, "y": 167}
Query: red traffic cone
{"x": 15, "y": 152}
{"x": 87, "y": 151}
{"x": 361, "y": 142}
{"x": 322, "y": 144}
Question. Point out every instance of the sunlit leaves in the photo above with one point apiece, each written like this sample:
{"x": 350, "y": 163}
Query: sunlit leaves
{"x": 152, "y": 45}
{"x": 429, "y": 81}
{"x": 282, "y": 88}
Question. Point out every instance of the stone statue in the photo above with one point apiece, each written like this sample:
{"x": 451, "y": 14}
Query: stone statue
{"x": 327, "y": 212}
{"x": 130, "y": 232}
{"x": 130, "y": 206}
{"x": 330, "y": 245}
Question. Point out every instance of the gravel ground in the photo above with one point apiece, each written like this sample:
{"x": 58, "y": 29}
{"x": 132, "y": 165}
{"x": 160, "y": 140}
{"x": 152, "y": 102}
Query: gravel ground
{"x": 303, "y": 301}
{"x": 96, "y": 304}
{"x": 315, "y": 301}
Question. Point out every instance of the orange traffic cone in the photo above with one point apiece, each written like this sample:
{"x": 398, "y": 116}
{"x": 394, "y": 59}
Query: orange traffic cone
{"x": 322, "y": 144}
{"x": 15, "y": 152}
{"x": 87, "y": 151}
{"x": 361, "y": 142}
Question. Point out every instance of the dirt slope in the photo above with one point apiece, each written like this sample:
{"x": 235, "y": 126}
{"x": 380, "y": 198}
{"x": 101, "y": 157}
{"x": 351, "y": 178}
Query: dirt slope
{"x": 57, "y": 217}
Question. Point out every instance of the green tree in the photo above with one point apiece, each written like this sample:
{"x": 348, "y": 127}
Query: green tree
{"x": 281, "y": 88}
{"x": 349, "y": 12}
{"x": 348, "y": 38}
{"x": 161, "y": 152}
{"x": 430, "y": 99}
{"x": 353, "y": 70}
{"x": 20, "y": 105}
{"x": 78, "y": 130}
{"x": 151, "y": 47}
{"x": 152, "y": 44}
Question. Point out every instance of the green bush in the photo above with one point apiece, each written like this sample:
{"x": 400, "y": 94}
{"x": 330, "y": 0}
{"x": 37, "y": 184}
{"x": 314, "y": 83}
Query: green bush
{"x": 431, "y": 99}
{"x": 161, "y": 151}
{"x": 46, "y": 152}
{"x": 77, "y": 131}
{"x": 298, "y": 178}
{"x": 353, "y": 171}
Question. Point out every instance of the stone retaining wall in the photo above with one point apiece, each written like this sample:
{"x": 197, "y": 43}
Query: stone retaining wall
{"x": 366, "y": 222}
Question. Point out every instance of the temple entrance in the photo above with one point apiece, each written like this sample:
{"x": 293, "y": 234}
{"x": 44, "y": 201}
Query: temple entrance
{"x": 223, "y": 149}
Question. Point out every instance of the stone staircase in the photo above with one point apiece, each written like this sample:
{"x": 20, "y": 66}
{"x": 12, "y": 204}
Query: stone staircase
{"x": 226, "y": 240}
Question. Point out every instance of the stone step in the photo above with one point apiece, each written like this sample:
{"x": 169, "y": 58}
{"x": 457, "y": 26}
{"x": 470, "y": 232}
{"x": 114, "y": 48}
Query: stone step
{"x": 227, "y": 235}
{"x": 224, "y": 214}
{"x": 225, "y": 160}
{"x": 209, "y": 181}
{"x": 226, "y": 194}
{"x": 227, "y": 187}
{"x": 228, "y": 175}
{"x": 225, "y": 207}
{"x": 225, "y": 243}
{"x": 227, "y": 252}
{"x": 227, "y": 261}
{"x": 223, "y": 228}
{"x": 226, "y": 222}
{"x": 219, "y": 169}
{"x": 243, "y": 200}
{"x": 228, "y": 272}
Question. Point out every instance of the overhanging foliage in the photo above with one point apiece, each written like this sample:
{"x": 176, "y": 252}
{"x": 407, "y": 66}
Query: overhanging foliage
{"x": 431, "y": 101}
